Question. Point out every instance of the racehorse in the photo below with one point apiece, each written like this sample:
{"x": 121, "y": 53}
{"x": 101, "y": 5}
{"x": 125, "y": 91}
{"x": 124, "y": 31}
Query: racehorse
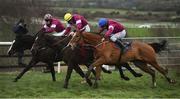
{"x": 106, "y": 52}
{"x": 42, "y": 57}
{"x": 95, "y": 41}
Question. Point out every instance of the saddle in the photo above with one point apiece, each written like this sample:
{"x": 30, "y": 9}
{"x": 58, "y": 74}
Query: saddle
{"x": 124, "y": 46}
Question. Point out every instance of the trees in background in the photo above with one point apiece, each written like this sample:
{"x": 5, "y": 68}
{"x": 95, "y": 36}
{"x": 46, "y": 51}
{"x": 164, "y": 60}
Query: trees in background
{"x": 13, "y": 9}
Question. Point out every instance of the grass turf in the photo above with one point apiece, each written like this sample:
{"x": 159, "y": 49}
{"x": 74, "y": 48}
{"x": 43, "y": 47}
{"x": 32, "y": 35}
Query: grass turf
{"x": 36, "y": 84}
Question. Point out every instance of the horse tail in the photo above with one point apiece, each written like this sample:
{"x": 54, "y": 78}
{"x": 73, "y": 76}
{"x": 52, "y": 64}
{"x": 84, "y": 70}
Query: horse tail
{"x": 158, "y": 47}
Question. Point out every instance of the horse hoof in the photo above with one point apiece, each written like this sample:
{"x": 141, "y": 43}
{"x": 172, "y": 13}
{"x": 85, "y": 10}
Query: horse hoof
{"x": 138, "y": 75}
{"x": 125, "y": 78}
{"x": 172, "y": 81}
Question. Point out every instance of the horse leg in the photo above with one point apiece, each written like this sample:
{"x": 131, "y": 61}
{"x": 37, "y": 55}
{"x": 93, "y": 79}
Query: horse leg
{"x": 31, "y": 64}
{"x": 98, "y": 63}
{"x": 121, "y": 73}
{"x": 50, "y": 65}
{"x": 68, "y": 75}
{"x": 143, "y": 66}
{"x": 98, "y": 71}
{"x": 81, "y": 73}
{"x": 126, "y": 65}
{"x": 162, "y": 71}
{"x": 93, "y": 71}
{"x": 103, "y": 69}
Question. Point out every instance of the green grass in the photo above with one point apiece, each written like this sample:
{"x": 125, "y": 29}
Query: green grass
{"x": 36, "y": 84}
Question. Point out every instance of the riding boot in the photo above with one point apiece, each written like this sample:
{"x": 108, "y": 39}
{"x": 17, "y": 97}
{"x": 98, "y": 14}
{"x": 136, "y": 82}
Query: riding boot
{"x": 121, "y": 45}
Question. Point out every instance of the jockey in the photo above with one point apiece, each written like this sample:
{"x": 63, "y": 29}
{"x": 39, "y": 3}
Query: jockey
{"x": 78, "y": 21}
{"x": 53, "y": 26}
{"x": 115, "y": 31}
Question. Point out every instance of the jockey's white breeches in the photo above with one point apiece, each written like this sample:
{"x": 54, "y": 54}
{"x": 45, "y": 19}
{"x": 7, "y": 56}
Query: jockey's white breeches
{"x": 118, "y": 35}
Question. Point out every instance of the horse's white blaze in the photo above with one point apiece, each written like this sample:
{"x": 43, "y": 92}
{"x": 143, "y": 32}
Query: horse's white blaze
{"x": 11, "y": 46}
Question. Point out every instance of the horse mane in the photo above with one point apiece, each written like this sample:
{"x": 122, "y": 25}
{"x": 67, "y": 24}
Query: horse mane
{"x": 94, "y": 35}
{"x": 91, "y": 38}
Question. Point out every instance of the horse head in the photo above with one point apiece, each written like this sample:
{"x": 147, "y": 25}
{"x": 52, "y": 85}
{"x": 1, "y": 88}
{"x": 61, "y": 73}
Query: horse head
{"x": 77, "y": 37}
{"x": 44, "y": 40}
{"x": 84, "y": 38}
{"x": 39, "y": 43}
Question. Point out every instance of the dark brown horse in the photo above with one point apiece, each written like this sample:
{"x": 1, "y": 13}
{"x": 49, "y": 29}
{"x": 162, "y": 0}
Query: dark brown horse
{"x": 42, "y": 57}
{"x": 139, "y": 53}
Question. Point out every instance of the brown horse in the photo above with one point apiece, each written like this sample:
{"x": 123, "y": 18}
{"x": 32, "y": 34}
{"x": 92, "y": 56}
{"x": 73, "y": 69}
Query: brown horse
{"x": 106, "y": 52}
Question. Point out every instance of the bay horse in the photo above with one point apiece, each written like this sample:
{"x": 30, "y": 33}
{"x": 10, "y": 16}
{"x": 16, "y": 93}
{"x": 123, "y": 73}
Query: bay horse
{"x": 106, "y": 52}
{"x": 96, "y": 39}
